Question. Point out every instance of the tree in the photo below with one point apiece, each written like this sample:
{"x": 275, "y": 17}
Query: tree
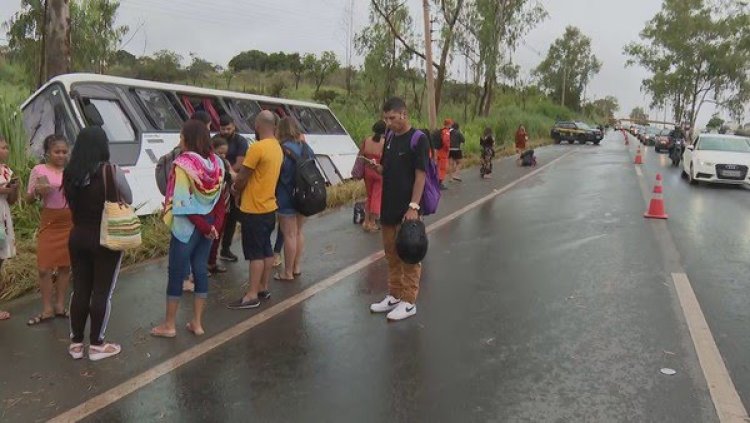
{"x": 697, "y": 51}
{"x": 164, "y": 66}
{"x": 387, "y": 11}
{"x": 639, "y": 116}
{"x": 715, "y": 123}
{"x": 492, "y": 31}
{"x": 24, "y": 32}
{"x": 199, "y": 68}
{"x": 320, "y": 69}
{"x": 95, "y": 38}
{"x": 568, "y": 68}
{"x": 297, "y": 69}
{"x": 606, "y": 107}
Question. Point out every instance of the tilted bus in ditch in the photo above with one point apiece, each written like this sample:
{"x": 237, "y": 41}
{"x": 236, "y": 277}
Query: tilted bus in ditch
{"x": 143, "y": 119}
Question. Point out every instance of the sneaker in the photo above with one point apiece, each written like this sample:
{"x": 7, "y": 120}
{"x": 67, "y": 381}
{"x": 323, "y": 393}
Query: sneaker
{"x": 389, "y": 303}
{"x": 76, "y": 351}
{"x": 241, "y": 304}
{"x": 228, "y": 256}
{"x": 100, "y": 352}
{"x": 264, "y": 295}
{"x": 402, "y": 311}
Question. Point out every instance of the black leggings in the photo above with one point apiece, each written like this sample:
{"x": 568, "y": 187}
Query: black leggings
{"x": 230, "y": 225}
{"x": 95, "y": 271}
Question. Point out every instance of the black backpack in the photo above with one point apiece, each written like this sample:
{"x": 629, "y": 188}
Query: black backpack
{"x": 309, "y": 193}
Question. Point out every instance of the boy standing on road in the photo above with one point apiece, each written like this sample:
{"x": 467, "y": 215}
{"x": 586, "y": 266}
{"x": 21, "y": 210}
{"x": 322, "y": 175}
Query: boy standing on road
{"x": 403, "y": 169}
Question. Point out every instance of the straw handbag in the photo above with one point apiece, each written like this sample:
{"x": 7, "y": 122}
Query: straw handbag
{"x": 121, "y": 227}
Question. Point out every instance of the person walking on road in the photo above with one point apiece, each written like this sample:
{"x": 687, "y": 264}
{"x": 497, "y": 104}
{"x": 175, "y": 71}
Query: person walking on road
{"x": 487, "y": 144}
{"x": 372, "y": 149}
{"x": 443, "y": 153}
{"x": 456, "y": 151}
{"x": 237, "y": 148}
{"x": 193, "y": 210}
{"x": 87, "y": 181}
{"x": 404, "y": 174}
{"x": 8, "y": 197}
{"x": 290, "y": 220}
{"x": 256, "y": 188}
{"x": 52, "y": 255}
{"x": 521, "y": 139}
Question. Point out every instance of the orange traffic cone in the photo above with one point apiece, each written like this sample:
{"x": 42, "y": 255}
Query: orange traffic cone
{"x": 656, "y": 207}
{"x": 638, "y": 157}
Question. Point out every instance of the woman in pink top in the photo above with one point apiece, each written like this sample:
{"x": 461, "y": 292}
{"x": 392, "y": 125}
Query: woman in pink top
{"x": 53, "y": 259}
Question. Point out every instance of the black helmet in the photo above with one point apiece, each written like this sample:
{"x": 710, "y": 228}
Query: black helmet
{"x": 411, "y": 242}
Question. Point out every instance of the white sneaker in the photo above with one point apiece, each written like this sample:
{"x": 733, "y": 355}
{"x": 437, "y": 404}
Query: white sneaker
{"x": 389, "y": 303}
{"x": 402, "y": 311}
{"x": 100, "y": 352}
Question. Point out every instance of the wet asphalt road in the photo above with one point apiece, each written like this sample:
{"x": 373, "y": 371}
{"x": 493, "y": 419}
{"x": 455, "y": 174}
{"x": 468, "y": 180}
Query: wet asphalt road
{"x": 548, "y": 303}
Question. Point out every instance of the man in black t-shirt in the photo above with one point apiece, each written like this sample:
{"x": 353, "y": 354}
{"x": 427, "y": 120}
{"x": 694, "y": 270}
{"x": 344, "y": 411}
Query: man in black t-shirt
{"x": 235, "y": 156}
{"x": 403, "y": 170}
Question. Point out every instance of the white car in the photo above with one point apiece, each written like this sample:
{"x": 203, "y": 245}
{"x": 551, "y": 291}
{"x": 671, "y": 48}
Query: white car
{"x": 717, "y": 158}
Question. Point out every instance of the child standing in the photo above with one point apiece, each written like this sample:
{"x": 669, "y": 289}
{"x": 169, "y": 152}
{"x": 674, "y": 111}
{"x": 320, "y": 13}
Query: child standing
{"x": 221, "y": 147}
{"x": 8, "y": 196}
{"x": 45, "y": 184}
{"x": 487, "y": 143}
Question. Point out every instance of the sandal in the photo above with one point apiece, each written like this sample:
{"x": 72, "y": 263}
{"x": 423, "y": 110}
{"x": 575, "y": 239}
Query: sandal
{"x": 195, "y": 332}
{"x": 160, "y": 333}
{"x": 4, "y": 315}
{"x": 76, "y": 350}
{"x": 100, "y": 352}
{"x": 65, "y": 314}
{"x": 278, "y": 277}
{"x": 39, "y": 318}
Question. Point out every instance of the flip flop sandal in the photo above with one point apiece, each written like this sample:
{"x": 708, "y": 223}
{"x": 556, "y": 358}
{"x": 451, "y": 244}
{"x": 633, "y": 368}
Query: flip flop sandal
{"x": 39, "y": 318}
{"x": 297, "y": 274}
{"x": 4, "y": 315}
{"x": 65, "y": 314}
{"x": 162, "y": 334}
{"x": 278, "y": 277}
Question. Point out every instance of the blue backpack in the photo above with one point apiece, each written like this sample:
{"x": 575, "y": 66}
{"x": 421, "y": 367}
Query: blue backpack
{"x": 431, "y": 193}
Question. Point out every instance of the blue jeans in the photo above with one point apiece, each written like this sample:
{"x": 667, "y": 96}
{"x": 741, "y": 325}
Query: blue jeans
{"x": 184, "y": 257}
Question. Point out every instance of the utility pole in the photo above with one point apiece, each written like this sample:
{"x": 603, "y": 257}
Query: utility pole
{"x": 466, "y": 86}
{"x": 428, "y": 58}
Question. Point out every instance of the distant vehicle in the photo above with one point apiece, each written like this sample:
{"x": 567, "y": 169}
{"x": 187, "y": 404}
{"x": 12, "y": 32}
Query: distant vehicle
{"x": 648, "y": 136}
{"x": 572, "y": 131}
{"x": 663, "y": 142}
{"x": 717, "y": 158}
{"x": 143, "y": 119}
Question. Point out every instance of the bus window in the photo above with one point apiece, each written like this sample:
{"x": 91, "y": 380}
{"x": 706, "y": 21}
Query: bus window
{"x": 114, "y": 121}
{"x": 307, "y": 119}
{"x": 330, "y": 123}
{"x": 48, "y": 114}
{"x": 247, "y": 110}
{"x": 159, "y": 110}
{"x": 277, "y": 109}
{"x": 204, "y": 104}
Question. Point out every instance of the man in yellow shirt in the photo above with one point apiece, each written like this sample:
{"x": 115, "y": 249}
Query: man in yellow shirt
{"x": 255, "y": 186}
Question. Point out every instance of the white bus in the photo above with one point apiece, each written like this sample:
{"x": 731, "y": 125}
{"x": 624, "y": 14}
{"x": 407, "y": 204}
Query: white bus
{"x": 142, "y": 120}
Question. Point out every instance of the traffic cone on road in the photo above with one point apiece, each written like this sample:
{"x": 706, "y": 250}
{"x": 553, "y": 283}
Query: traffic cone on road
{"x": 638, "y": 157}
{"x": 656, "y": 207}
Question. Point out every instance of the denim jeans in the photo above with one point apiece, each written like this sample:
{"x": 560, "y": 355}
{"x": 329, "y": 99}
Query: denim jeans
{"x": 184, "y": 257}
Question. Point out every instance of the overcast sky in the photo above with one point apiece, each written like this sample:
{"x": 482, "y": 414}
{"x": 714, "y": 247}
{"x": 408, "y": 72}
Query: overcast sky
{"x": 218, "y": 29}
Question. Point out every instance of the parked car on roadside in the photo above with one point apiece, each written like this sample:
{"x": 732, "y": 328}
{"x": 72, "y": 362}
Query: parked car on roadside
{"x": 572, "y": 131}
{"x": 717, "y": 158}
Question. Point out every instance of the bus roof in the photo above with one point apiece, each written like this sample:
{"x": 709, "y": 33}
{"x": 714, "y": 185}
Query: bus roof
{"x": 69, "y": 79}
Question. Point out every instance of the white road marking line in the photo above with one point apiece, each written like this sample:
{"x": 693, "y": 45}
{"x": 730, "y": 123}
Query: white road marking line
{"x": 723, "y": 393}
{"x": 639, "y": 172}
{"x": 139, "y": 381}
